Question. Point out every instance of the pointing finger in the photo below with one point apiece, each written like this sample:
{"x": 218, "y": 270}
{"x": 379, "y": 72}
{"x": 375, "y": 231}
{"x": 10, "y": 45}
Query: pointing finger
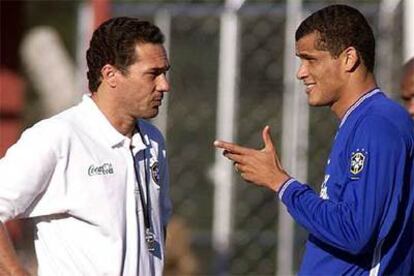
{"x": 230, "y": 147}
{"x": 234, "y": 157}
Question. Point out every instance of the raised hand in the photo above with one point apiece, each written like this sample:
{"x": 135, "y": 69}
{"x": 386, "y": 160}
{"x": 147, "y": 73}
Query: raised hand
{"x": 261, "y": 167}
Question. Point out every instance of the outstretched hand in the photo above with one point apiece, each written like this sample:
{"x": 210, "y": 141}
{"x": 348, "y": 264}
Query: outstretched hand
{"x": 261, "y": 167}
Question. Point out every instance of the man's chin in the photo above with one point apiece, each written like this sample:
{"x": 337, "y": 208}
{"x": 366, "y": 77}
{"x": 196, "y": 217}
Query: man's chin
{"x": 151, "y": 114}
{"x": 316, "y": 103}
{"x": 312, "y": 102}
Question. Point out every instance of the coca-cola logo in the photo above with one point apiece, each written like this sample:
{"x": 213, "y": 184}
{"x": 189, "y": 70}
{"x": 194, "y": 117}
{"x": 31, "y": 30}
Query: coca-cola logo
{"x": 104, "y": 169}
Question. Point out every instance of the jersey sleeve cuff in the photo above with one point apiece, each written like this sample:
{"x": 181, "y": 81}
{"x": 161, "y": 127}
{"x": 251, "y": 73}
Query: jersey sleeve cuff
{"x": 285, "y": 186}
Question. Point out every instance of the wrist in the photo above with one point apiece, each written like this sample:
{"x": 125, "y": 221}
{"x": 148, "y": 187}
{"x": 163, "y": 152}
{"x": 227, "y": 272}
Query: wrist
{"x": 278, "y": 182}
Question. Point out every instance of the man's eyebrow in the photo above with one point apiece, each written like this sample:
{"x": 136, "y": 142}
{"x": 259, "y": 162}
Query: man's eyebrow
{"x": 306, "y": 56}
{"x": 160, "y": 69}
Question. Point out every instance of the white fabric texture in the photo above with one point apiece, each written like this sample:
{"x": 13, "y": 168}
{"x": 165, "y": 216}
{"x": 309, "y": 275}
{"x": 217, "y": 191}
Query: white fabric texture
{"x": 74, "y": 175}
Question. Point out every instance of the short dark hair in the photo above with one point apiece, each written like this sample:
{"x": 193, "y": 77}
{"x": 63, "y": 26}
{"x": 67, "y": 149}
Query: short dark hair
{"x": 339, "y": 27}
{"x": 114, "y": 41}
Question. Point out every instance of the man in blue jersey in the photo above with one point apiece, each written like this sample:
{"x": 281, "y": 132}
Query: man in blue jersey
{"x": 362, "y": 221}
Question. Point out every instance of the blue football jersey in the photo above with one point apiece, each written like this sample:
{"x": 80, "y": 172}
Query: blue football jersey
{"x": 362, "y": 221}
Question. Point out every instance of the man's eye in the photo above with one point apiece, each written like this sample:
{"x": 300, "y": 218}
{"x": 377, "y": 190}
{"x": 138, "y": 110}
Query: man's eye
{"x": 155, "y": 73}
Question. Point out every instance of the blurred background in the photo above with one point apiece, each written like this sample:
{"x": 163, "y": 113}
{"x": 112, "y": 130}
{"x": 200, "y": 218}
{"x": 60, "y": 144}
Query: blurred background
{"x": 233, "y": 72}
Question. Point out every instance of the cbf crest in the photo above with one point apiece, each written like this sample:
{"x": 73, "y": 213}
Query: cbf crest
{"x": 155, "y": 172}
{"x": 358, "y": 161}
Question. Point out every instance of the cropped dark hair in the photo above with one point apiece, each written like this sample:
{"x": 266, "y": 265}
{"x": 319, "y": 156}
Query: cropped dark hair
{"x": 339, "y": 27}
{"x": 114, "y": 42}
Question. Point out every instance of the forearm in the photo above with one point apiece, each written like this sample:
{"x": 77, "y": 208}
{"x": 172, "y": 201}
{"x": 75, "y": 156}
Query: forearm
{"x": 9, "y": 262}
{"x": 336, "y": 224}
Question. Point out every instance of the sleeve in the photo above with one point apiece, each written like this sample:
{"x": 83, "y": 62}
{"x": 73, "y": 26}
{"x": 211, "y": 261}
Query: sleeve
{"x": 373, "y": 157}
{"x": 25, "y": 171}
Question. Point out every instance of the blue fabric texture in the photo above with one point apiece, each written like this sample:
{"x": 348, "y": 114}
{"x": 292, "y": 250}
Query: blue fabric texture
{"x": 362, "y": 221}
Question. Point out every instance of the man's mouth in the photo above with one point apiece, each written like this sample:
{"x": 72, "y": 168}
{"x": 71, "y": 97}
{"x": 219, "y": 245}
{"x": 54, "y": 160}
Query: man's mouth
{"x": 309, "y": 87}
{"x": 157, "y": 102}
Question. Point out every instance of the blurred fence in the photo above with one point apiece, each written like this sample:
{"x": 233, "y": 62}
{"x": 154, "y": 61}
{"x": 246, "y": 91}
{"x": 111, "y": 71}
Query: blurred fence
{"x": 194, "y": 55}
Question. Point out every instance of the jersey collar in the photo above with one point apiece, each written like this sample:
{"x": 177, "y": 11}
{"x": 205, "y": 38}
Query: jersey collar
{"x": 138, "y": 141}
{"x": 358, "y": 103}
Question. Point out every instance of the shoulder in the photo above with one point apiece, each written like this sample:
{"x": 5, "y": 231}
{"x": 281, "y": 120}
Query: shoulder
{"x": 382, "y": 114}
{"x": 383, "y": 130}
{"x": 60, "y": 124}
{"x": 376, "y": 127}
{"x": 51, "y": 132}
{"x": 386, "y": 109}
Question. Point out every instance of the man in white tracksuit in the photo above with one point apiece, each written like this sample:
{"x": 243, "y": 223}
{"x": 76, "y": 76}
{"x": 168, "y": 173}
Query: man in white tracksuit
{"x": 94, "y": 178}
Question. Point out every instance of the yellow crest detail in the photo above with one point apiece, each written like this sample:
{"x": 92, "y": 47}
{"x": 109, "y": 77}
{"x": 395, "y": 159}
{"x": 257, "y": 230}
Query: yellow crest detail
{"x": 357, "y": 162}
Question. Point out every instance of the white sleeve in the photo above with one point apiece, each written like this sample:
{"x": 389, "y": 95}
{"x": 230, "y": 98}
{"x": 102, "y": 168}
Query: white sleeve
{"x": 25, "y": 170}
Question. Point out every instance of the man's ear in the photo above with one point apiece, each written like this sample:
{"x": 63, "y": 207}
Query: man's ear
{"x": 108, "y": 73}
{"x": 351, "y": 59}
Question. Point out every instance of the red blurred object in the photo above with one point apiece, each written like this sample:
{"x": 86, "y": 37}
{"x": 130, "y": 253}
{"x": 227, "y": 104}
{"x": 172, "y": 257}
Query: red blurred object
{"x": 101, "y": 9}
{"x": 11, "y": 108}
{"x": 11, "y": 87}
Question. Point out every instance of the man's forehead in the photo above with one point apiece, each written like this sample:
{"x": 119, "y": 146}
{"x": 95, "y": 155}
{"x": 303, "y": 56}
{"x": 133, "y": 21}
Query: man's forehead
{"x": 309, "y": 44}
{"x": 407, "y": 86}
{"x": 409, "y": 66}
{"x": 307, "y": 38}
{"x": 408, "y": 72}
{"x": 152, "y": 56}
{"x": 150, "y": 50}
{"x": 310, "y": 40}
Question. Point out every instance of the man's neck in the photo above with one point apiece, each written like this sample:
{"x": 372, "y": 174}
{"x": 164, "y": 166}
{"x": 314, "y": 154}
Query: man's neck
{"x": 120, "y": 121}
{"x": 355, "y": 89}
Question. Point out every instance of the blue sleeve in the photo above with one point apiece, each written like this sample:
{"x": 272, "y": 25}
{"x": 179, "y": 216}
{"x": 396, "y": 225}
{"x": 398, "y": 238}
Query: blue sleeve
{"x": 371, "y": 188}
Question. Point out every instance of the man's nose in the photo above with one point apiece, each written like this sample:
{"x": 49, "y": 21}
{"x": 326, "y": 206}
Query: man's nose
{"x": 301, "y": 73}
{"x": 163, "y": 83}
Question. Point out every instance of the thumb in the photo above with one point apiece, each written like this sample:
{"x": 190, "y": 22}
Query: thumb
{"x": 267, "y": 138}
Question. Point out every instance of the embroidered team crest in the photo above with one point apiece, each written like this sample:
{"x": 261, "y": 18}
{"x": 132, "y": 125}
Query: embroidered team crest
{"x": 155, "y": 172}
{"x": 357, "y": 161}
